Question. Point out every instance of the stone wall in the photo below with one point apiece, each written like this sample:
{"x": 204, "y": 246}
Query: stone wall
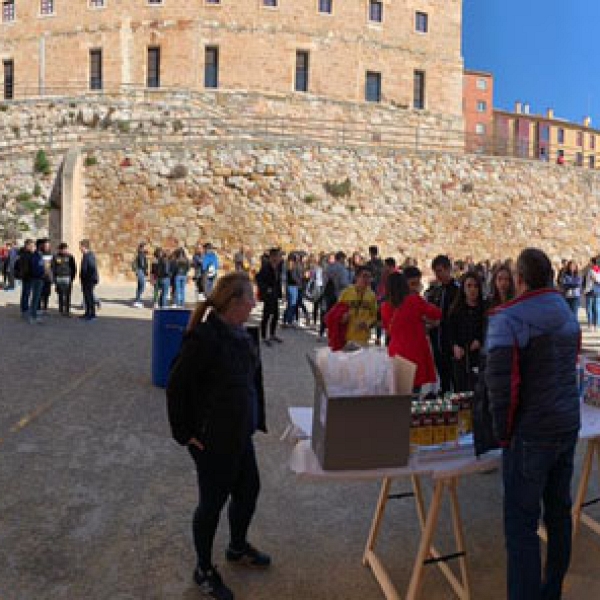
{"x": 409, "y": 204}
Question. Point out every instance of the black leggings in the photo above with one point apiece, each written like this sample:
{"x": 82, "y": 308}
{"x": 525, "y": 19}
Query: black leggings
{"x": 270, "y": 317}
{"x": 217, "y": 483}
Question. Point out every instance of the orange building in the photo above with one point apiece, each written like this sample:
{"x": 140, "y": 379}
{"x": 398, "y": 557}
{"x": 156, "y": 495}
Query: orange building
{"x": 478, "y": 111}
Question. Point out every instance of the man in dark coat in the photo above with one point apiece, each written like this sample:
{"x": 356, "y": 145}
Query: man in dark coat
{"x": 88, "y": 275}
{"x": 532, "y": 347}
{"x": 268, "y": 280}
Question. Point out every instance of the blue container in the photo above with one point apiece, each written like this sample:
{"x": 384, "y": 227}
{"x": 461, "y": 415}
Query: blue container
{"x": 168, "y": 326}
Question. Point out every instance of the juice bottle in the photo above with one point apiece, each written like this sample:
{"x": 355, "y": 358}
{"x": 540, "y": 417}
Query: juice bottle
{"x": 452, "y": 424}
{"x": 426, "y": 427}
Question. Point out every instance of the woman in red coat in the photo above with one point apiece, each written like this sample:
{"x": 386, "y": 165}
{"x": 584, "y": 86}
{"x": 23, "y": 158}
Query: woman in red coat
{"x": 408, "y": 339}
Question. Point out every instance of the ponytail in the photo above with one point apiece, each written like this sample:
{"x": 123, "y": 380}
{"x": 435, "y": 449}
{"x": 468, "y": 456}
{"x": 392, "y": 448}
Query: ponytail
{"x": 227, "y": 289}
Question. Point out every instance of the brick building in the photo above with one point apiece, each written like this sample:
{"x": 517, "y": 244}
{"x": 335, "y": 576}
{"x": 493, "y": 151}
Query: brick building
{"x": 478, "y": 110}
{"x": 405, "y": 52}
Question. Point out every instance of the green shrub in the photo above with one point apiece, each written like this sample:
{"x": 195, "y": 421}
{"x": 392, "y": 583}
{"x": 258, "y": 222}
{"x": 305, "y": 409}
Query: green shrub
{"x": 37, "y": 190}
{"x": 24, "y": 197}
{"x": 178, "y": 172}
{"x": 338, "y": 189}
{"x": 41, "y": 164}
{"x": 177, "y": 125}
{"x": 124, "y": 126}
{"x": 90, "y": 160}
{"x": 3, "y": 107}
{"x": 310, "y": 198}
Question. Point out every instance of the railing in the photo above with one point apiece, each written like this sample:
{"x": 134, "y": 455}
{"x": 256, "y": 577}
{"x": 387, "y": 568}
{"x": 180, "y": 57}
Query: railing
{"x": 219, "y": 123}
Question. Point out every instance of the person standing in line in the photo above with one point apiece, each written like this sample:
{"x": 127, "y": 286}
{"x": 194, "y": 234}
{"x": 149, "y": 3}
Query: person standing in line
{"x": 532, "y": 348}
{"x": 376, "y": 265}
{"x": 215, "y": 401}
{"x": 591, "y": 276}
{"x": 48, "y": 277}
{"x": 502, "y": 287}
{"x": 571, "y": 284}
{"x": 404, "y": 314}
{"x": 23, "y": 272}
{"x": 466, "y": 329}
{"x": 239, "y": 258}
{"x": 182, "y": 267}
{"x": 36, "y": 274}
{"x": 64, "y": 271}
{"x": 210, "y": 269}
{"x": 13, "y": 254}
{"x": 88, "y": 275}
{"x": 362, "y": 308}
{"x": 293, "y": 281}
{"x": 163, "y": 276}
{"x": 268, "y": 281}
{"x": 442, "y": 294}
{"x": 140, "y": 268}
{"x": 197, "y": 264}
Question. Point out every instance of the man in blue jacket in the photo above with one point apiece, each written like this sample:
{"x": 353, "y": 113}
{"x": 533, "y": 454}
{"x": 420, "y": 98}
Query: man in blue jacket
{"x": 88, "y": 274}
{"x": 532, "y": 345}
{"x": 210, "y": 267}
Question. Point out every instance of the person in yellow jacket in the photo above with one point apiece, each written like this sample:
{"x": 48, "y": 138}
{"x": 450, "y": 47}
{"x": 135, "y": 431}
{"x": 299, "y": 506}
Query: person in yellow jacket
{"x": 362, "y": 304}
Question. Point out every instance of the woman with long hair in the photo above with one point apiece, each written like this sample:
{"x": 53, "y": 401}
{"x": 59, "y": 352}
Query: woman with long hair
{"x": 467, "y": 320}
{"x": 404, "y": 313}
{"x": 215, "y": 405}
{"x": 571, "y": 283}
{"x": 502, "y": 287}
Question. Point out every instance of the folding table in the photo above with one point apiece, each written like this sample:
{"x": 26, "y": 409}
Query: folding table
{"x": 444, "y": 468}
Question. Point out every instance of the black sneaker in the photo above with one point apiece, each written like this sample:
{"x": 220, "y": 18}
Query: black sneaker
{"x": 211, "y": 584}
{"x": 268, "y": 343}
{"x": 250, "y": 557}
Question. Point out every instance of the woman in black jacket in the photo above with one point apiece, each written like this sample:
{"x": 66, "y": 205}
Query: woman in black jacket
{"x": 467, "y": 331}
{"x": 215, "y": 404}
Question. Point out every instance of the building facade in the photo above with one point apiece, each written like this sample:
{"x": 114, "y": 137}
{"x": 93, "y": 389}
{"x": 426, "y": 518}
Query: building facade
{"x": 478, "y": 110}
{"x": 402, "y": 52}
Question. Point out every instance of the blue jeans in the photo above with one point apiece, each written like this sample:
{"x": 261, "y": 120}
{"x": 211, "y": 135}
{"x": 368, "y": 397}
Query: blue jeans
{"x": 141, "y": 285}
{"x": 163, "y": 286}
{"x": 597, "y": 308}
{"x": 535, "y": 471}
{"x": 36, "y": 293}
{"x": 180, "y": 281}
{"x": 25, "y": 294}
{"x": 574, "y": 304}
{"x": 591, "y": 309}
{"x": 292, "y": 302}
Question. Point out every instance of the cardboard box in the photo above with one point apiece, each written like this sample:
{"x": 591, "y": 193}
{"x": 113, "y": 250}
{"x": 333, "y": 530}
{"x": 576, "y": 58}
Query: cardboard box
{"x": 361, "y": 432}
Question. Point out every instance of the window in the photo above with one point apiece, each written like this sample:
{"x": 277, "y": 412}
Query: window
{"x": 270, "y": 3}
{"x": 580, "y": 138}
{"x": 545, "y": 133}
{"x": 373, "y": 87}
{"x": 8, "y": 11}
{"x": 213, "y": 1}
{"x": 481, "y": 84}
{"x": 481, "y": 106}
{"x": 95, "y": 69}
{"x": 96, "y": 3}
{"x": 211, "y": 67}
{"x": 419, "y": 90}
{"x": 561, "y": 135}
{"x": 421, "y": 22}
{"x": 47, "y": 7}
{"x": 9, "y": 79}
{"x": 301, "y": 71}
{"x": 592, "y": 142}
{"x": 376, "y": 11}
{"x": 592, "y": 162}
{"x": 153, "y": 67}
{"x": 154, "y": 1}
{"x": 480, "y": 129}
{"x": 579, "y": 159}
{"x": 326, "y": 6}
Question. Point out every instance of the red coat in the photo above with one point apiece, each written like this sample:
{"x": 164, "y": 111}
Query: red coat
{"x": 408, "y": 338}
{"x": 336, "y": 330}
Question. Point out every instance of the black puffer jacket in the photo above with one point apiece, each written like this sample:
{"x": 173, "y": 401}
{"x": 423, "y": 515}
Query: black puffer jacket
{"x": 213, "y": 387}
{"x": 532, "y": 346}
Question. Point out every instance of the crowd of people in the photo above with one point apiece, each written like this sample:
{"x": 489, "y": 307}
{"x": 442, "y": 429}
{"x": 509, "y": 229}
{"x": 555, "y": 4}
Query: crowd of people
{"x": 38, "y": 269}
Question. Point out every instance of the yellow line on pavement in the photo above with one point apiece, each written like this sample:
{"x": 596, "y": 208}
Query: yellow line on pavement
{"x": 27, "y": 419}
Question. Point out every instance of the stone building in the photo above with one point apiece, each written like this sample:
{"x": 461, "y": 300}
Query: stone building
{"x": 401, "y": 52}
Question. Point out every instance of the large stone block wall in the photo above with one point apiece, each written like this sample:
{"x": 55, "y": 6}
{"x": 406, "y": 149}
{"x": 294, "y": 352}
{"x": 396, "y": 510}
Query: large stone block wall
{"x": 257, "y": 46}
{"x": 409, "y": 204}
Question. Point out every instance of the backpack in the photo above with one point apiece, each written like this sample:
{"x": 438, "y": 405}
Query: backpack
{"x": 134, "y": 265}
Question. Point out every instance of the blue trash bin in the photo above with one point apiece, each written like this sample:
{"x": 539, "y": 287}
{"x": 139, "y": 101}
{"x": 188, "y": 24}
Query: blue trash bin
{"x": 168, "y": 326}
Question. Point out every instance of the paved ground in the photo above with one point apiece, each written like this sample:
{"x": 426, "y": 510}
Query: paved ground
{"x": 96, "y": 499}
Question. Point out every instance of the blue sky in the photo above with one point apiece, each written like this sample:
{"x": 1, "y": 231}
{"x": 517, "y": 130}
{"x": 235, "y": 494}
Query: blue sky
{"x": 543, "y": 52}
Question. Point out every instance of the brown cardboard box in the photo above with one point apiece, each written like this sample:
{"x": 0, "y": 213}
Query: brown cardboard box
{"x": 360, "y": 432}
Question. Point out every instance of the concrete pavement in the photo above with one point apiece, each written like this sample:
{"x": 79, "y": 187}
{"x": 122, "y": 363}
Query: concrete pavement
{"x": 96, "y": 499}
